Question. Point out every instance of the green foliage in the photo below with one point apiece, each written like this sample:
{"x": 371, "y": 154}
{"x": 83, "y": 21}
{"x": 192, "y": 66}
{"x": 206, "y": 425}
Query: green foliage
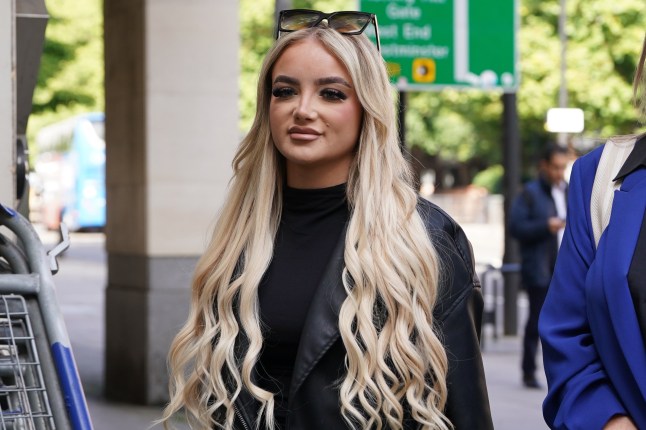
{"x": 604, "y": 38}
{"x": 71, "y": 71}
{"x": 490, "y": 178}
{"x": 70, "y": 79}
{"x": 466, "y": 126}
{"x": 256, "y": 37}
{"x": 456, "y": 126}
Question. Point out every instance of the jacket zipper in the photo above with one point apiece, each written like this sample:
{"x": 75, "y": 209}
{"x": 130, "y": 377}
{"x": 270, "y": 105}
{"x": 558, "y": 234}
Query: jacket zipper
{"x": 240, "y": 417}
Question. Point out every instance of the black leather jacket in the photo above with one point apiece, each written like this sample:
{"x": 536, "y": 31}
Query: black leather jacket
{"x": 313, "y": 398}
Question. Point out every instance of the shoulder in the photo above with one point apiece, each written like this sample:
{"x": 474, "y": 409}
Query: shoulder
{"x": 457, "y": 266}
{"x": 593, "y": 157}
{"x": 434, "y": 216}
{"x": 585, "y": 167}
{"x": 531, "y": 192}
{"x": 532, "y": 187}
{"x": 439, "y": 223}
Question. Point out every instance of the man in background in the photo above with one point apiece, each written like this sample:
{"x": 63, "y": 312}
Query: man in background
{"x": 537, "y": 221}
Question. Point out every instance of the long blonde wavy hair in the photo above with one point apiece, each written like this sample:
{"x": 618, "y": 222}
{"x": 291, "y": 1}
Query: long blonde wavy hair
{"x": 395, "y": 360}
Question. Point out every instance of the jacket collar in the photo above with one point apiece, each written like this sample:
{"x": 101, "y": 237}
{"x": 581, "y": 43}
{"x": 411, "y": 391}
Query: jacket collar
{"x": 546, "y": 185}
{"x": 321, "y": 327}
{"x": 635, "y": 160}
{"x": 319, "y": 333}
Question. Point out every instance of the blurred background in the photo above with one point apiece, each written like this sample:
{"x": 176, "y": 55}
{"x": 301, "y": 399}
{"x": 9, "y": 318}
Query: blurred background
{"x": 123, "y": 116}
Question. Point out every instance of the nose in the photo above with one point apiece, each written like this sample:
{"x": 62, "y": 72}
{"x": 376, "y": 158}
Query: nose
{"x": 305, "y": 109}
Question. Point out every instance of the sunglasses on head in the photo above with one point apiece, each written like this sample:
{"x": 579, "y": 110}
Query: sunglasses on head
{"x": 349, "y": 23}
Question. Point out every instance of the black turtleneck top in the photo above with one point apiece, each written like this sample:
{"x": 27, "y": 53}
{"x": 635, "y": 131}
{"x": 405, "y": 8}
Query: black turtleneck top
{"x": 311, "y": 225}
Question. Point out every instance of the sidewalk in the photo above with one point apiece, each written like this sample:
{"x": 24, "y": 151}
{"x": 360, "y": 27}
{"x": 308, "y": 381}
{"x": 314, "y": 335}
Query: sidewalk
{"x": 80, "y": 287}
{"x": 513, "y": 407}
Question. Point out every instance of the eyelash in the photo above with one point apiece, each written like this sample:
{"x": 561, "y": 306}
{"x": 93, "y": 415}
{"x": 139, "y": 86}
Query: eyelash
{"x": 329, "y": 94}
{"x": 332, "y": 94}
{"x": 282, "y": 92}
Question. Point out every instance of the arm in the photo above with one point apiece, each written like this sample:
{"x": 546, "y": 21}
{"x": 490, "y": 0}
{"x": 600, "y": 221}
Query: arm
{"x": 524, "y": 225}
{"x": 580, "y": 395}
{"x": 458, "y": 314}
{"x": 467, "y": 406}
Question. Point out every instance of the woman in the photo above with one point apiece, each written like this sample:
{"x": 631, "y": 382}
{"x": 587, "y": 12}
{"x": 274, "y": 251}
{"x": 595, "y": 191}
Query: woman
{"x": 593, "y": 323}
{"x": 330, "y": 296}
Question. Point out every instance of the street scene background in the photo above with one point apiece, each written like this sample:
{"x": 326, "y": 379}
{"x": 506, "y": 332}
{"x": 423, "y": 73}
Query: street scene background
{"x": 460, "y": 150}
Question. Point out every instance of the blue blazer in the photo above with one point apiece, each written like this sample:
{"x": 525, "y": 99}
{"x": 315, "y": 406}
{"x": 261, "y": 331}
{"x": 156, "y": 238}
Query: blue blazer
{"x": 593, "y": 350}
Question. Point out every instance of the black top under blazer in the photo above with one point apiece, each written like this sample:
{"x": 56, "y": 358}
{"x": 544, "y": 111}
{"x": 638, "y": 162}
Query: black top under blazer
{"x": 313, "y": 395}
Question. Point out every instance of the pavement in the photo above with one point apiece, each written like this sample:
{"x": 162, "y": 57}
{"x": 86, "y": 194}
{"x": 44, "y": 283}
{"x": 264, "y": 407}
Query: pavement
{"x": 80, "y": 287}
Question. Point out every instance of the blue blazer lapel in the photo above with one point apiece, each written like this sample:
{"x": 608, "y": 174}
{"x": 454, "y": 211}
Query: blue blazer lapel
{"x": 321, "y": 327}
{"x": 622, "y": 233}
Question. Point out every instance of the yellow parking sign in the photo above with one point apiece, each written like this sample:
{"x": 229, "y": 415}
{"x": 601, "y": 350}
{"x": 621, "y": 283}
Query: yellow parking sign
{"x": 423, "y": 70}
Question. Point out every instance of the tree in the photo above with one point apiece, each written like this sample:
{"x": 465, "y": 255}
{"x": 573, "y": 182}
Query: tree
{"x": 70, "y": 79}
{"x": 454, "y": 127}
{"x": 604, "y": 38}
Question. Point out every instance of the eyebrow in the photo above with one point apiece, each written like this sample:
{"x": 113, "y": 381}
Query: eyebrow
{"x": 333, "y": 80}
{"x": 286, "y": 80}
{"x": 321, "y": 81}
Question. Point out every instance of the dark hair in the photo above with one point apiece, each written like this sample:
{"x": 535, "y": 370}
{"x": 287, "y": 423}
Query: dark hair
{"x": 552, "y": 149}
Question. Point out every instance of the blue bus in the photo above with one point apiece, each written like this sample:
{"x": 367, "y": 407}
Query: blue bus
{"x": 70, "y": 167}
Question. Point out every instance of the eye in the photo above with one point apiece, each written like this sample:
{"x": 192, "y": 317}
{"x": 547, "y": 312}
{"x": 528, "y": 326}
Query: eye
{"x": 333, "y": 94}
{"x": 283, "y": 92}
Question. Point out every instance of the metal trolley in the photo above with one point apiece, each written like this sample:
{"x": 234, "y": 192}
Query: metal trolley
{"x": 39, "y": 382}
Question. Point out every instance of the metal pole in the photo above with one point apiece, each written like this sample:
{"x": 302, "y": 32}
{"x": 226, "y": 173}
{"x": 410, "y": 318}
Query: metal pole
{"x": 281, "y": 5}
{"x": 401, "y": 120}
{"x": 563, "y": 96}
{"x": 511, "y": 183}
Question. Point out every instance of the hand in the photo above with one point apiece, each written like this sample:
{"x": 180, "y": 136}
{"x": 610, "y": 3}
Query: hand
{"x": 554, "y": 224}
{"x": 620, "y": 422}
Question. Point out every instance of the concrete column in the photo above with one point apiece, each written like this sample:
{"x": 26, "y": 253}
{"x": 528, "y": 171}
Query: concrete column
{"x": 171, "y": 131}
{"x": 7, "y": 103}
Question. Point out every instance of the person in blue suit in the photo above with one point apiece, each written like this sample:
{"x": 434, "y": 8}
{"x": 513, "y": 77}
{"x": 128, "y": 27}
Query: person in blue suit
{"x": 593, "y": 322}
{"x": 537, "y": 221}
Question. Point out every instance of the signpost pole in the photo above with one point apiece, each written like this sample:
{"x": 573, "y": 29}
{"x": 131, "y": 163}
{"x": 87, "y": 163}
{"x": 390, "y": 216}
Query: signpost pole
{"x": 511, "y": 179}
{"x": 562, "y": 138}
{"x": 401, "y": 116}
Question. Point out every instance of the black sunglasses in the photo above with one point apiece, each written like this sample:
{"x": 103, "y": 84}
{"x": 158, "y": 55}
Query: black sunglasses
{"x": 349, "y": 23}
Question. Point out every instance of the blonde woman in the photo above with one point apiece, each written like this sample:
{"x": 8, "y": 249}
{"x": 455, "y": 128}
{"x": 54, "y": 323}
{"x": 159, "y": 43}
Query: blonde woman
{"x": 593, "y": 323}
{"x": 331, "y": 296}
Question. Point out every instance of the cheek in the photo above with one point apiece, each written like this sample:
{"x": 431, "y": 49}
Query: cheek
{"x": 351, "y": 118}
{"x": 346, "y": 116}
{"x": 276, "y": 119}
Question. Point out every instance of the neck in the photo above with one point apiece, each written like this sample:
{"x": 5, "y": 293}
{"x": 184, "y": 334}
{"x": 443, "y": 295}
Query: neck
{"x": 311, "y": 177}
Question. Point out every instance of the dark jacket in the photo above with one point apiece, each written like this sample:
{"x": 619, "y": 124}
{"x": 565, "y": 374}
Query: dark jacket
{"x": 314, "y": 398}
{"x": 528, "y": 224}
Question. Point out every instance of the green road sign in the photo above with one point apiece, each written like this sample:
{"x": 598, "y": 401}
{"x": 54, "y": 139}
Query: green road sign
{"x": 429, "y": 44}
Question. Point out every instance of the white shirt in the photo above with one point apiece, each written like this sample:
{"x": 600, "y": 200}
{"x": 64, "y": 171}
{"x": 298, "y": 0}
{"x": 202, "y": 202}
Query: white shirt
{"x": 614, "y": 155}
{"x": 560, "y": 201}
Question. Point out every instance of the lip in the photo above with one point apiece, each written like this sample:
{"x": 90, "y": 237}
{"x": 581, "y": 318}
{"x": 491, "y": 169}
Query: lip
{"x": 303, "y": 133}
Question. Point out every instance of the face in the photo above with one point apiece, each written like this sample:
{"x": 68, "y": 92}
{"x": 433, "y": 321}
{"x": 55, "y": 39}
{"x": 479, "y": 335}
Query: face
{"x": 314, "y": 114}
{"x": 554, "y": 170}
